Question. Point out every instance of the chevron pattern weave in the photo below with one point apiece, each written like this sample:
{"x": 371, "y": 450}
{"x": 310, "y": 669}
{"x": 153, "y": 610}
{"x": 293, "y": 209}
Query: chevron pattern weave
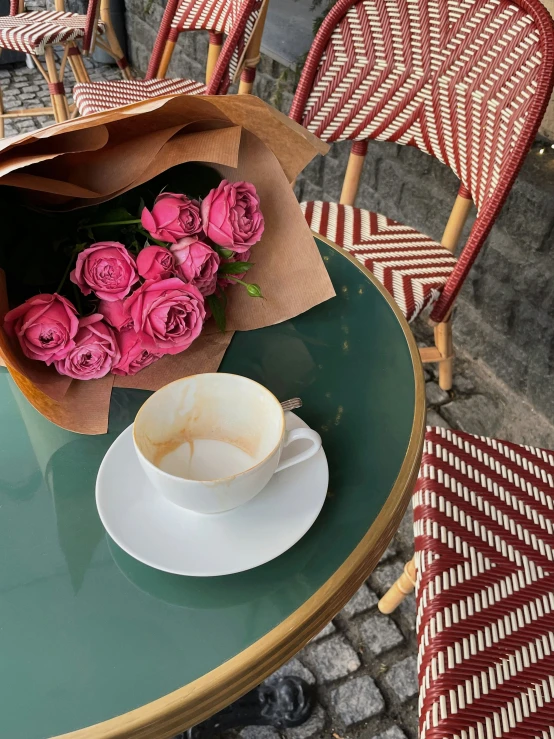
{"x": 466, "y": 81}
{"x": 219, "y": 16}
{"x": 93, "y": 97}
{"x": 31, "y": 32}
{"x": 236, "y": 18}
{"x": 453, "y": 77}
{"x": 412, "y": 267}
{"x": 484, "y": 539}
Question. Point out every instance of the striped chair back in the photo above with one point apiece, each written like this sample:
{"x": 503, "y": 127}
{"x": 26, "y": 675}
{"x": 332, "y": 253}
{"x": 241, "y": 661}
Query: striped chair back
{"x": 236, "y": 19}
{"x": 466, "y": 81}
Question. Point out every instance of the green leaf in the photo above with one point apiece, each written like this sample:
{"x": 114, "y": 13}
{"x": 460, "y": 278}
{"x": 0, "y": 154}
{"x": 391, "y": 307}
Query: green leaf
{"x": 224, "y": 253}
{"x": 141, "y": 207}
{"x": 255, "y": 291}
{"x": 234, "y": 268}
{"x": 117, "y": 214}
{"x": 218, "y": 312}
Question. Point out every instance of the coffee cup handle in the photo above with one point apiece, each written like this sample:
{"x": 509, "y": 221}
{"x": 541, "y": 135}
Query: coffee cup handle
{"x": 294, "y": 435}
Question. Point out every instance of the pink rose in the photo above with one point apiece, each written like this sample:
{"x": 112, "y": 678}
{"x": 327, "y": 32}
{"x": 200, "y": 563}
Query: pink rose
{"x": 196, "y": 263}
{"x": 45, "y": 326}
{"x": 167, "y": 315}
{"x": 155, "y": 261}
{"x": 116, "y": 314}
{"x": 94, "y": 353}
{"x": 134, "y": 356}
{"x": 173, "y": 217}
{"x": 107, "y": 269}
{"x": 231, "y": 216}
{"x": 223, "y": 281}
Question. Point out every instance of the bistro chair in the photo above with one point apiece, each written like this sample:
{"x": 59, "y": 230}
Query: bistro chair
{"x": 240, "y": 20}
{"x": 484, "y": 564}
{"x": 466, "y": 81}
{"x": 37, "y": 32}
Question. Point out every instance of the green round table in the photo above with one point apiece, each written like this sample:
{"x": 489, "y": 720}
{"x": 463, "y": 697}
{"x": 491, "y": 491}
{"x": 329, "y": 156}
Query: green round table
{"x": 94, "y": 644}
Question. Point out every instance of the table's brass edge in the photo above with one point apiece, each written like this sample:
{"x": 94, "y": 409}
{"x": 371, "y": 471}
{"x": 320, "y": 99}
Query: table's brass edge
{"x": 165, "y": 717}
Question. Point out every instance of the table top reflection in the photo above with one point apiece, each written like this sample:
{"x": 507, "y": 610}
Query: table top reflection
{"x": 95, "y": 644}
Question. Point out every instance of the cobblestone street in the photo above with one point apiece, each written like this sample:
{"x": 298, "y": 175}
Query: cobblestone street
{"x": 363, "y": 663}
{"x": 24, "y": 87}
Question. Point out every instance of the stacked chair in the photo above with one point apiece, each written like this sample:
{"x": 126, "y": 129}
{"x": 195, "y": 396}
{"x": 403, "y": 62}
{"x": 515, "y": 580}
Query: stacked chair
{"x": 37, "y": 33}
{"x": 466, "y": 81}
{"x": 240, "y": 21}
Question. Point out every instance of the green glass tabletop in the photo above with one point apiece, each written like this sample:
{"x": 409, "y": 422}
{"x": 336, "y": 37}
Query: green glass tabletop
{"x": 86, "y": 632}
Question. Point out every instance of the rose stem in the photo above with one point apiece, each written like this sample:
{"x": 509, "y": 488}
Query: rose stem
{"x": 77, "y": 299}
{"x": 64, "y": 278}
{"x": 114, "y": 223}
{"x": 236, "y": 279}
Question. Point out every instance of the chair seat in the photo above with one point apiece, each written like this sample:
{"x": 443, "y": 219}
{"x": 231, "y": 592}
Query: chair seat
{"x": 31, "y": 32}
{"x": 93, "y": 97}
{"x": 484, "y": 540}
{"x": 412, "y": 266}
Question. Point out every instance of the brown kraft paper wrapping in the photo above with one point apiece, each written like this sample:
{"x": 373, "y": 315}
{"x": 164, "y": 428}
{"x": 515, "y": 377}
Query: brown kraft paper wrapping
{"x": 95, "y": 158}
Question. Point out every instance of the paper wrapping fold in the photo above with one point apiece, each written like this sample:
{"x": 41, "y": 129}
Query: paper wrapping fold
{"x": 95, "y": 158}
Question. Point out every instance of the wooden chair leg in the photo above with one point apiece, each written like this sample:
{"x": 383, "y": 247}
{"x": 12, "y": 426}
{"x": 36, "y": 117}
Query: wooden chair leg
{"x": 443, "y": 341}
{"x": 55, "y": 85}
{"x": 252, "y": 56}
{"x": 247, "y": 77}
{"x": 126, "y": 70}
{"x": 456, "y": 221}
{"x": 166, "y": 59}
{"x": 83, "y": 72}
{"x": 401, "y": 588}
{"x": 443, "y": 351}
{"x": 2, "y": 132}
{"x": 77, "y": 64}
{"x": 113, "y": 41}
{"x": 214, "y": 49}
{"x": 353, "y": 173}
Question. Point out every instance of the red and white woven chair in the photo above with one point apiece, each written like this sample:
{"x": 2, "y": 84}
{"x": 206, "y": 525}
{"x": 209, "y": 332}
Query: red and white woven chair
{"x": 240, "y": 20}
{"x": 466, "y": 81}
{"x": 36, "y": 33}
{"x": 484, "y": 543}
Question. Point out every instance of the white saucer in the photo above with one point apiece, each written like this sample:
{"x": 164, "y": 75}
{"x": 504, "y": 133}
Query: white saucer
{"x": 169, "y": 538}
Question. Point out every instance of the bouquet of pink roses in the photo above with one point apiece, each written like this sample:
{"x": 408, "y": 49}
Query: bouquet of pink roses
{"x": 125, "y": 302}
{"x": 126, "y": 247}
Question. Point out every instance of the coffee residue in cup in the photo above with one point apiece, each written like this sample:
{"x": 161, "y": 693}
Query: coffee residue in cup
{"x": 205, "y": 460}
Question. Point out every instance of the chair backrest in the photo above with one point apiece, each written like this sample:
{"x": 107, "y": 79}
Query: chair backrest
{"x": 466, "y": 81}
{"x": 236, "y": 19}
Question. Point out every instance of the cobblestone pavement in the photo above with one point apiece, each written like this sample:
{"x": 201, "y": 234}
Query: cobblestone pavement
{"x": 363, "y": 663}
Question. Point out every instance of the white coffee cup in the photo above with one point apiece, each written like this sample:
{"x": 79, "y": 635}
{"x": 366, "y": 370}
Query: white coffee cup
{"x": 212, "y": 442}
